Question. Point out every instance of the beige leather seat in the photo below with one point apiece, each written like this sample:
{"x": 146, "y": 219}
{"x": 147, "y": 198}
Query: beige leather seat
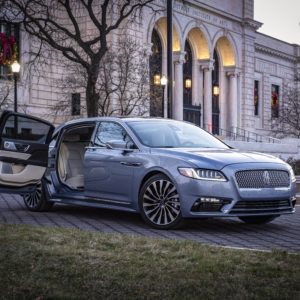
{"x": 70, "y": 161}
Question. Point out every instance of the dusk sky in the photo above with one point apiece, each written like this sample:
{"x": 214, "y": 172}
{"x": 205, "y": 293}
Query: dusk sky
{"x": 281, "y": 18}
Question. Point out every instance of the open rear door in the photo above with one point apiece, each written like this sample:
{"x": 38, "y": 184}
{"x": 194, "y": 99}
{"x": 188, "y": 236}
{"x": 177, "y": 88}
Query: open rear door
{"x": 24, "y": 142}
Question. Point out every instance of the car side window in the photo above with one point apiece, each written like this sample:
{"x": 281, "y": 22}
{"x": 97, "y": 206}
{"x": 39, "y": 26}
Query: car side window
{"x": 25, "y": 129}
{"x": 110, "y": 131}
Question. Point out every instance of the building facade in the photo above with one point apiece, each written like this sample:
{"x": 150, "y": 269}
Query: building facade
{"x": 227, "y": 76}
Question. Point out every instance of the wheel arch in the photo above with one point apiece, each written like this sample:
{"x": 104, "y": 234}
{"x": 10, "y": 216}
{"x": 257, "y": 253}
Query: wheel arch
{"x": 149, "y": 175}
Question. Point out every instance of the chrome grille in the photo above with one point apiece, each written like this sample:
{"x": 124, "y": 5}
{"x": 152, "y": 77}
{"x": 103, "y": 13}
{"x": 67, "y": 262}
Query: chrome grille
{"x": 257, "y": 179}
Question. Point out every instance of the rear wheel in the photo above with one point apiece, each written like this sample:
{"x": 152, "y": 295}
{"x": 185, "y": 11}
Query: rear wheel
{"x": 258, "y": 220}
{"x": 159, "y": 203}
{"x": 37, "y": 200}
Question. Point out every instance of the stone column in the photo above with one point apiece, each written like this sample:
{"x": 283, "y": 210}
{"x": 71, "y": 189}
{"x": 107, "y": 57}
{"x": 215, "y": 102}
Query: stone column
{"x": 233, "y": 99}
{"x": 207, "y": 95}
{"x": 196, "y": 83}
{"x": 178, "y": 88}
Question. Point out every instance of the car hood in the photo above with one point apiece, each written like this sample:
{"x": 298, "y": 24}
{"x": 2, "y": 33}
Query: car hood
{"x": 218, "y": 158}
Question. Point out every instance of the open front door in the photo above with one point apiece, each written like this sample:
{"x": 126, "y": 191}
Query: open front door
{"x": 24, "y": 142}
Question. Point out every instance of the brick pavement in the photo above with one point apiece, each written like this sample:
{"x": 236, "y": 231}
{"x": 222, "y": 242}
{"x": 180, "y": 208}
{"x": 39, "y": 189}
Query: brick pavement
{"x": 283, "y": 233}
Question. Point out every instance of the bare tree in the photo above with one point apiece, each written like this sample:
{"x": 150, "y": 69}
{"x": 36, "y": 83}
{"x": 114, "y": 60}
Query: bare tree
{"x": 5, "y": 100}
{"x": 58, "y": 24}
{"x": 288, "y": 122}
{"x": 123, "y": 83}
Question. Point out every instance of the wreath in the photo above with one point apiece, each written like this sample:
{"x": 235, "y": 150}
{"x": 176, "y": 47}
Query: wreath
{"x": 274, "y": 99}
{"x": 8, "y": 49}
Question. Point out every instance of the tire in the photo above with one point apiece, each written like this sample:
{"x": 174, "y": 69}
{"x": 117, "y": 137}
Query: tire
{"x": 258, "y": 220}
{"x": 159, "y": 203}
{"x": 37, "y": 200}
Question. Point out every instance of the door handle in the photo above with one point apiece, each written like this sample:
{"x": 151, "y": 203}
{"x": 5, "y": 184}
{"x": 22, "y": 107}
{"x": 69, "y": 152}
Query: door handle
{"x": 130, "y": 164}
{"x": 22, "y": 147}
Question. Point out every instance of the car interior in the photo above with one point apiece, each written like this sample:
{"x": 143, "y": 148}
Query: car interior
{"x": 71, "y": 155}
{"x": 18, "y": 136}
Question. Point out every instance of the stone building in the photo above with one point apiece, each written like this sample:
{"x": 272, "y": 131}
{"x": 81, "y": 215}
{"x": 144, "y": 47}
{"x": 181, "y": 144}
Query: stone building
{"x": 227, "y": 76}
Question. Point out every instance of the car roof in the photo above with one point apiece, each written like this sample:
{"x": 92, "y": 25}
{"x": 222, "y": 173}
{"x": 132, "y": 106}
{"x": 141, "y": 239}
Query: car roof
{"x": 98, "y": 119}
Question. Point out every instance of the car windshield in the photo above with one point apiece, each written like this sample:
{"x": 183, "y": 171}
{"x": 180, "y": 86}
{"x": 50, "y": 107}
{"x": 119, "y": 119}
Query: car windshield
{"x": 173, "y": 134}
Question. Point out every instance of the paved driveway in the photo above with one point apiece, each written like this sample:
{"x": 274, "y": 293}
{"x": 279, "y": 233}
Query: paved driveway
{"x": 283, "y": 233}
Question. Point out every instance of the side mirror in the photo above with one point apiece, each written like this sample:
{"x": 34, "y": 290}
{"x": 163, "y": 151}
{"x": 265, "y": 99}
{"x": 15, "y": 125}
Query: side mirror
{"x": 116, "y": 144}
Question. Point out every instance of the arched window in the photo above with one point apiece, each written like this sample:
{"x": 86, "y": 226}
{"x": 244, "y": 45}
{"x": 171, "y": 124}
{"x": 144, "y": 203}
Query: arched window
{"x": 155, "y": 66}
{"x": 187, "y": 75}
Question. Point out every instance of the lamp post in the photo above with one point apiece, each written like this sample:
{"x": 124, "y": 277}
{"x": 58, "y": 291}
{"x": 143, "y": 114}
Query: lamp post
{"x": 170, "y": 56}
{"x": 15, "y": 67}
{"x": 163, "y": 83}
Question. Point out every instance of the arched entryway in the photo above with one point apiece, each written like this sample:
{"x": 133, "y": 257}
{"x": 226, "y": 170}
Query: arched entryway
{"x": 196, "y": 52}
{"x": 224, "y": 86}
{"x": 158, "y": 66}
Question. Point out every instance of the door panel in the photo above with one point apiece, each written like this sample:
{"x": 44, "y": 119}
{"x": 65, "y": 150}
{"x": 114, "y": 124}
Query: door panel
{"x": 108, "y": 173}
{"x": 20, "y": 175}
{"x": 23, "y": 149}
{"x": 106, "y": 177}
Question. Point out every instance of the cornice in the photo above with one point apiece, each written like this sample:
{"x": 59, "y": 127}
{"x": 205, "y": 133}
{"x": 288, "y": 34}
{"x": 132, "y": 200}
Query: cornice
{"x": 275, "y": 53}
{"x": 252, "y": 23}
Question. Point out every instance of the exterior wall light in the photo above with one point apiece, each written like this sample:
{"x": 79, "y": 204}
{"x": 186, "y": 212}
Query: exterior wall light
{"x": 156, "y": 79}
{"x": 216, "y": 90}
{"x": 188, "y": 83}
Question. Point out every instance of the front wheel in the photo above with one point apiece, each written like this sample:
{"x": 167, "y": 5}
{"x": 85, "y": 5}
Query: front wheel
{"x": 159, "y": 203}
{"x": 37, "y": 200}
{"x": 258, "y": 220}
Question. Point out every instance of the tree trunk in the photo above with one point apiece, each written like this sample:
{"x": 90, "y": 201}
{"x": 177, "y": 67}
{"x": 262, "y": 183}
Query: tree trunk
{"x": 92, "y": 98}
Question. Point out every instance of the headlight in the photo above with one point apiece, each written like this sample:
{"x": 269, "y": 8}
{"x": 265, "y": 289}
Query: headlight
{"x": 202, "y": 174}
{"x": 292, "y": 174}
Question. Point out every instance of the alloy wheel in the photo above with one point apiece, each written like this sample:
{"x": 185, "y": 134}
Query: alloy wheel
{"x": 160, "y": 203}
{"x": 33, "y": 200}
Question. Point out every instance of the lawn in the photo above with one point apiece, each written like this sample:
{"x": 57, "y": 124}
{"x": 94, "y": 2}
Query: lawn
{"x": 54, "y": 263}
